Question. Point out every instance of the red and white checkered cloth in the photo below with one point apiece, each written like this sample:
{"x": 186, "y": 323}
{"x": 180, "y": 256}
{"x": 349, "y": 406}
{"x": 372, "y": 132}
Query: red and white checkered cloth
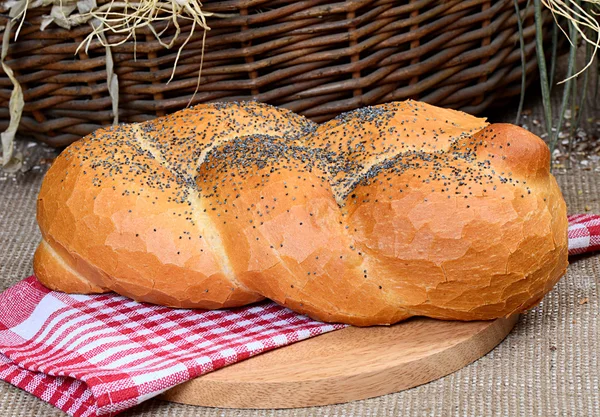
{"x": 97, "y": 355}
{"x": 584, "y": 233}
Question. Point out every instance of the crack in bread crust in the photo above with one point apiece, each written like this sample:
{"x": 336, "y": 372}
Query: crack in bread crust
{"x": 200, "y": 220}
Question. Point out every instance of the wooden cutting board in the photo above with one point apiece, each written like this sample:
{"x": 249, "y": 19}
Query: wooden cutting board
{"x": 346, "y": 365}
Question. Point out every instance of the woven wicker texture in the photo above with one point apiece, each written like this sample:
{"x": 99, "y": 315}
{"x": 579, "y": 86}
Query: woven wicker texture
{"x": 548, "y": 366}
{"x": 316, "y": 57}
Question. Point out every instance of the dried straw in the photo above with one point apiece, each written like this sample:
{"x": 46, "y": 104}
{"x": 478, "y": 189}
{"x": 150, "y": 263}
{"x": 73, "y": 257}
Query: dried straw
{"x": 122, "y": 18}
{"x": 581, "y": 14}
{"x": 16, "y": 102}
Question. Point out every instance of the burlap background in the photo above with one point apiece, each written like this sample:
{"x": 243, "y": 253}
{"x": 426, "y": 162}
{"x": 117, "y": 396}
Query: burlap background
{"x": 548, "y": 366}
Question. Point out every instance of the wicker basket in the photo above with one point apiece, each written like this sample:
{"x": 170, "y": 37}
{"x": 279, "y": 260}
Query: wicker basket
{"x": 315, "y": 57}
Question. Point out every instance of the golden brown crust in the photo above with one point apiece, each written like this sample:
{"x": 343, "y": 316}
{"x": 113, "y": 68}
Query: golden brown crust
{"x": 382, "y": 214}
{"x": 56, "y": 273}
{"x": 122, "y": 202}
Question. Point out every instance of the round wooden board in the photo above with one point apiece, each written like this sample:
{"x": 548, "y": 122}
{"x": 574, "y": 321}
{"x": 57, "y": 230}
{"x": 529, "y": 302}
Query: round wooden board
{"x": 346, "y": 365}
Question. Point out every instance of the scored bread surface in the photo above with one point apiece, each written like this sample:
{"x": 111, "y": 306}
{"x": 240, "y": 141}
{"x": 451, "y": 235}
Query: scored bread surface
{"x": 384, "y": 213}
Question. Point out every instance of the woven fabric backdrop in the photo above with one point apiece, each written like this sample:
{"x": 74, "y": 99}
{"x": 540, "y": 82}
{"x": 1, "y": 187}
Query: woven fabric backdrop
{"x": 548, "y": 366}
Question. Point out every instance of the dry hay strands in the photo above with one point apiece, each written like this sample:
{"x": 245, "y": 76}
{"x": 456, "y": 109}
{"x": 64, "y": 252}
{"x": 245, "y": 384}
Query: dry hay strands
{"x": 122, "y": 18}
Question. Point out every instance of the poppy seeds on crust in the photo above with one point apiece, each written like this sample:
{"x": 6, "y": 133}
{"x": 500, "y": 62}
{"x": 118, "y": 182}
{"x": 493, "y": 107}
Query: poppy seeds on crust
{"x": 356, "y": 149}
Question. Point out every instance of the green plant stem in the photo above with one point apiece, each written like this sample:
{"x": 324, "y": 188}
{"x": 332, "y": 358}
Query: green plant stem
{"x": 575, "y": 123}
{"x": 569, "y": 85}
{"x": 572, "y": 128}
{"x": 523, "y": 60}
{"x": 541, "y": 58}
{"x": 586, "y": 79}
{"x": 554, "y": 53}
{"x": 597, "y": 79}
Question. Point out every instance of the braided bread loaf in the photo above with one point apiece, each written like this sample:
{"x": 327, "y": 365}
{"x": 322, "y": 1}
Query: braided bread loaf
{"x": 381, "y": 214}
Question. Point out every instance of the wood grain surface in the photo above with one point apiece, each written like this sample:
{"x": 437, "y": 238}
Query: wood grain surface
{"x": 346, "y": 365}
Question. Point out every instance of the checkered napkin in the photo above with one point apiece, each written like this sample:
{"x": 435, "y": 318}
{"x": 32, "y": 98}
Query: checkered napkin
{"x": 97, "y": 355}
{"x": 584, "y": 233}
